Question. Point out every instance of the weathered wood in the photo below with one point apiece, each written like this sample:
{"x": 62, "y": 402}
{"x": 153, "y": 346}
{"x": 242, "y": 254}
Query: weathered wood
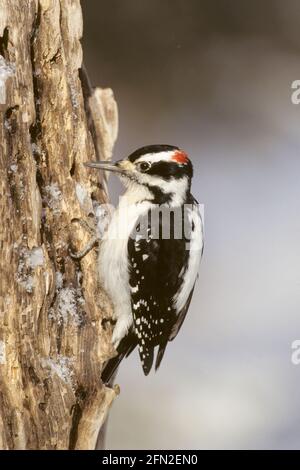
{"x": 53, "y": 339}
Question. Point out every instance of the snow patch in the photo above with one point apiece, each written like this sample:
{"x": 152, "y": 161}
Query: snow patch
{"x": 53, "y": 197}
{"x": 2, "y": 353}
{"x": 37, "y": 72}
{"x": 62, "y": 367}
{"x": 28, "y": 261}
{"x": 82, "y": 194}
{"x": 68, "y": 307}
{"x": 59, "y": 279}
{"x": 67, "y": 304}
{"x": 74, "y": 96}
{"x": 7, "y": 125}
{"x": 103, "y": 213}
{"x": 35, "y": 148}
{"x": 6, "y": 70}
{"x": 36, "y": 257}
{"x": 28, "y": 284}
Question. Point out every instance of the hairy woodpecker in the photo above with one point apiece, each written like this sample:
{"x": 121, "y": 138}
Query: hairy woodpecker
{"x": 149, "y": 272}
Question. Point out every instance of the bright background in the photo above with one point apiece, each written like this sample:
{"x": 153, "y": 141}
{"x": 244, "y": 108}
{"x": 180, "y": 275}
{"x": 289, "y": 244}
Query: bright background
{"x": 214, "y": 77}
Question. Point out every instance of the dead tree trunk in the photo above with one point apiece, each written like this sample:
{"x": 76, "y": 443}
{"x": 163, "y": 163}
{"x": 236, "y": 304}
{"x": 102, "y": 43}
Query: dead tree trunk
{"x": 53, "y": 339}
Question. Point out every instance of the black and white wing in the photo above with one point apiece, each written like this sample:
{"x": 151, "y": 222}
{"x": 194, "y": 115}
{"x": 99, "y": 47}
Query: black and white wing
{"x": 162, "y": 277}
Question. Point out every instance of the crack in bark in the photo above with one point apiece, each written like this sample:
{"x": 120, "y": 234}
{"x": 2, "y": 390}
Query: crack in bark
{"x": 7, "y": 413}
{"x": 33, "y": 376}
{"x": 43, "y": 405}
{"x": 76, "y": 412}
{"x": 56, "y": 57}
{"x": 35, "y": 132}
{"x": 35, "y": 128}
{"x": 87, "y": 91}
{"x": 10, "y": 127}
{"x": 4, "y": 43}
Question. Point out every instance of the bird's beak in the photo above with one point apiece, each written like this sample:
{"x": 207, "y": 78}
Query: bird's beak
{"x": 107, "y": 166}
{"x": 122, "y": 166}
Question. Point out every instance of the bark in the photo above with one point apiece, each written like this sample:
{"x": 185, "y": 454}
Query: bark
{"x": 54, "y": 336}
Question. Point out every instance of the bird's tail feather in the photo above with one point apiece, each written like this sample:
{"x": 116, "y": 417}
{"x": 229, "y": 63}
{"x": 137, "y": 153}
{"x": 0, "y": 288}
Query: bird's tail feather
{"x": 125, "y": 347}
{"x": 160, "y": 354}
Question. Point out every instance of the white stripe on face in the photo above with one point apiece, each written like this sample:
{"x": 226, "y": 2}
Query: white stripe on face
{"x": 156, "y": 157}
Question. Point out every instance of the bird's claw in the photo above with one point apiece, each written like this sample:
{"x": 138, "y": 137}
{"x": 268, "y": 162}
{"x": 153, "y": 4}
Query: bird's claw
{"x": 91, "y": 229}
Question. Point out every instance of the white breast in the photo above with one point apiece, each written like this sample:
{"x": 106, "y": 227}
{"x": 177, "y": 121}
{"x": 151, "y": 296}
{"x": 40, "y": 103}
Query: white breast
{"x": 113, "y": 254}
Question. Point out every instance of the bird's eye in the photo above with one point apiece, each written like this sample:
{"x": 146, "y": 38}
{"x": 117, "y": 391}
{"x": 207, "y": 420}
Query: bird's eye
{"x": 143, "y": 166}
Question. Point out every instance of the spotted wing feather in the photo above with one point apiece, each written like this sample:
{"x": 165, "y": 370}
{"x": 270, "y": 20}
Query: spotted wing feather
{"x": 156, "y": 275}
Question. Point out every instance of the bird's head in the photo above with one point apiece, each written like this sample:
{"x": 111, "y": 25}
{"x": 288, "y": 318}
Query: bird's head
{"x": 164, "y": 170}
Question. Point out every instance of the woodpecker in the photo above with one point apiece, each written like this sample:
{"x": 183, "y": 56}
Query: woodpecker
{"x": 148, "y": 275}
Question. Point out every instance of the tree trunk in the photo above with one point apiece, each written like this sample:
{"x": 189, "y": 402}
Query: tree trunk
{"x": 53, "y": 334}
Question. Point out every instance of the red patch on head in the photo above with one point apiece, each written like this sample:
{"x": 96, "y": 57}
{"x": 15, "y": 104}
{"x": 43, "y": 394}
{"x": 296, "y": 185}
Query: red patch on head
{"x": 180, "y": 157}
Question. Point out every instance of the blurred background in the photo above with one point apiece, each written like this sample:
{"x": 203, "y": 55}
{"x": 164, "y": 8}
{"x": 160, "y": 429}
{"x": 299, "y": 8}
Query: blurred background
{"x": 214, "y": 77}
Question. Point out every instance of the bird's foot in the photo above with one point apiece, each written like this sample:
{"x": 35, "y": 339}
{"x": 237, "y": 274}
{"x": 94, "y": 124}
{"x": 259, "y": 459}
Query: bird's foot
{"x": 88, "y": 225}
{"x": 92, "y": 230}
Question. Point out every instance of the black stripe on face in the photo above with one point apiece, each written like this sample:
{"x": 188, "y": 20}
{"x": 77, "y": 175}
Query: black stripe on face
{"x": 168, "y": 170}
{"x": 151, "y": 149}
{"x": 159, "y": 197}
